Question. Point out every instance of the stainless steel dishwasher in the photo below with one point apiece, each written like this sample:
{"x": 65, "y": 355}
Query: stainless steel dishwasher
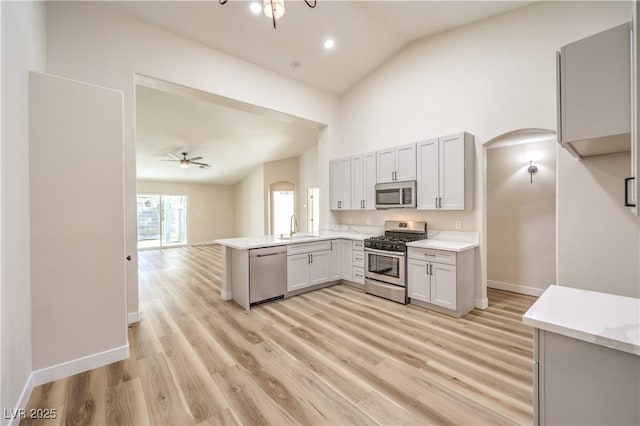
{"x": 267, "y": 274}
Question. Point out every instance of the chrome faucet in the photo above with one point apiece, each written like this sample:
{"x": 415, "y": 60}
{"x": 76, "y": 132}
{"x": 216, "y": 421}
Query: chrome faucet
{"x": 294, "y": 225}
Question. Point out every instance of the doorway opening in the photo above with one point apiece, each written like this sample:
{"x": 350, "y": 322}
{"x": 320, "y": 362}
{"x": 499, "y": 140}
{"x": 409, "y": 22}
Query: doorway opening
{"x": 162, "y": 221}
{"x": 283, "y": 201}
{"x": 313, "y": 210}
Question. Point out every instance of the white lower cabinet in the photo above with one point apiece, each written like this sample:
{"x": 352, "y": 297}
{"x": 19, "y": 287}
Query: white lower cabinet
{"x": 319, "y": 267}
{"x": 576, "y": 382}
{"x": 443, "y": 285}
{"x": 297, "y": 272}
{"x": 432, "y": 283}
{"x": 358, "y": 262}
{"x": 441, "y": 279}
{"x": 335, "y": 261}
{"x": 347, "y": 260}
{"x": 419, "y": 283}
{"x": 308, "y": 264}
{"x": 311, "y": 264}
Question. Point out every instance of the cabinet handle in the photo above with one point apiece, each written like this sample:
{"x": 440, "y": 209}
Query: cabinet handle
{"x": 626, "y": 192}
{"x": 331, "y": 242}
{"x": 308, "y": 258}
{"x": 431, "y": 269}
{"x": 440, "y": 202}
{"x": 427, "y": 254}
{"x": 311, "y": 258}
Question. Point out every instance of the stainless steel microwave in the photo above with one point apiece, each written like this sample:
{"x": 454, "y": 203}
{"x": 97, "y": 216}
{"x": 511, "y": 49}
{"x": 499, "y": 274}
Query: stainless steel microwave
{"x": 395, "y": 195}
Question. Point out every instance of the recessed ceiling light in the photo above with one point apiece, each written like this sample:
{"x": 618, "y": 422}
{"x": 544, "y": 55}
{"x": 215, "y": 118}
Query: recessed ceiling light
{"x": 329, "y": 43}
{"x": 255, "y": 7}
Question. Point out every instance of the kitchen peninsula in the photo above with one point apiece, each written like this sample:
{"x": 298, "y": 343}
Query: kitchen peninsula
{"x": 314, "y": 261}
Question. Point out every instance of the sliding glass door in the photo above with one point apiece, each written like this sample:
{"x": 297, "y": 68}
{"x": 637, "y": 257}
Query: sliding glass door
{"x": 162, "y": 220}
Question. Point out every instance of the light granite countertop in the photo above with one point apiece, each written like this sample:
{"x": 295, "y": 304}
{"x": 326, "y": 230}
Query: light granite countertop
{"x": 244, "y": 243}
{"x": 456, "y": 246}
{"x": 439, "y": 240}
{"x": 599, "y": 318}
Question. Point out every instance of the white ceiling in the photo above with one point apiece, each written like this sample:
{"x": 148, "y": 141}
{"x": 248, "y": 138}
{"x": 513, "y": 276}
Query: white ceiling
{"x": 233, "y": 141}
{"x": 235, "y": 138}
{"x": 367, "y": 33}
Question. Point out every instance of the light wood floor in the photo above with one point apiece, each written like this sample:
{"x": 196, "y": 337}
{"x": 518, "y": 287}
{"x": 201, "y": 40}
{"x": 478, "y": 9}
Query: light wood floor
{"x": 333, "y": 356}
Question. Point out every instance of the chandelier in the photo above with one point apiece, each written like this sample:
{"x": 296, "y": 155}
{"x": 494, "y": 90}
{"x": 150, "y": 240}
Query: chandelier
{"x": 274, "y": 9}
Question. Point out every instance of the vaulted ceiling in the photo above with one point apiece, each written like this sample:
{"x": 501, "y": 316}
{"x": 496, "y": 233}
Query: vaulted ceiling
{"x": 235, "y": 139}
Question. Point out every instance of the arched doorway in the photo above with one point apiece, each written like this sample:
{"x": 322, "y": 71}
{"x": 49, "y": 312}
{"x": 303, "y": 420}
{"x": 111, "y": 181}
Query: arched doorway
{"x": 517, "y": 213}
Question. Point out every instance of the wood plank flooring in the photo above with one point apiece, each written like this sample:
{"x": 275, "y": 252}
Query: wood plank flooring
{"x": 333, "y": 356}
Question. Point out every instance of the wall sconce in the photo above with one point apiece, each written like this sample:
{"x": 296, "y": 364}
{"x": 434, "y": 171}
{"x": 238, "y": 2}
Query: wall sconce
{"x": 531, "y": 157}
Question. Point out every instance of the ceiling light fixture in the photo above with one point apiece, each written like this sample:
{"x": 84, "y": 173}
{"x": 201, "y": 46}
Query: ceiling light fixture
{"x": 255, "y": 7}
{"x": 273, "y": 9}
{"x": 329, "y": 43}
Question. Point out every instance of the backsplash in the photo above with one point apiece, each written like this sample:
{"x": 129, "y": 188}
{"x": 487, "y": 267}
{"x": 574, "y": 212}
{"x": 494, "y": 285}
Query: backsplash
{"x": 445, "y": 220}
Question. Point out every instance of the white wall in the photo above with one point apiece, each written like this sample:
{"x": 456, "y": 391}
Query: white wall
{"x": 250, "y": 204}
{"x": 487, "y": 78}
{"x": 307, "y": 178}
{"x": 91, "y": 42}
{"x": 23, "y": 49}
{"x": 521, "y": 218}
{"x": 78, "y": 286}
{"x": 211, "y": 209}
{"x": 598, "y": 240}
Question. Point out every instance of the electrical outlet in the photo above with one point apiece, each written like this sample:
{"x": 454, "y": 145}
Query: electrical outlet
{"x": 458, "y": 224}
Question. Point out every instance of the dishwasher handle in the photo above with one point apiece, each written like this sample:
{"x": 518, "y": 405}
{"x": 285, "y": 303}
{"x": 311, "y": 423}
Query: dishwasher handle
{"x": 270, "y": 254}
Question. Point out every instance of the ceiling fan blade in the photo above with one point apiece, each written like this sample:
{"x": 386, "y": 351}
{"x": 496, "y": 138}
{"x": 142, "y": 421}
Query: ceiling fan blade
{"x": 195, "y": 159}
{"x": 199, "y": 164}
{"x": 172, "y": 155}
{"x": 169, "y": 160}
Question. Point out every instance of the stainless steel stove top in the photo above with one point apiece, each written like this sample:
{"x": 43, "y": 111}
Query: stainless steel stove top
{"x": 396, "y": 235}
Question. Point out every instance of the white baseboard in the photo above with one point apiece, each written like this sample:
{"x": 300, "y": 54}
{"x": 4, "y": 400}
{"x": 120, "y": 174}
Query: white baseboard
{"x": 21, "y": 404}
{"x": 515, "y": 288}
{"x": 133, "y": 317}
{"x": 226, "y": 295}
{"x": 69, "y": 368}
{"x": 482, "y": 303}
{"x": 46, "y": 375}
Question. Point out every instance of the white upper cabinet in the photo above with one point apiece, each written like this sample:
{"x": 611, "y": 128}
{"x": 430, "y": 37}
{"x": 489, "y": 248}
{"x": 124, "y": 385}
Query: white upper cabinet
{"x": 363, "y": 181}
{"x": 445, "y": 173}
{"x": 396, "y": 164}
{"x": 385, "y": 165}
{"x": 406, "y": 162}
{"x": 594, "y": 93}
{"x": 428, "y": 174}
{"x": 340, "y": 184}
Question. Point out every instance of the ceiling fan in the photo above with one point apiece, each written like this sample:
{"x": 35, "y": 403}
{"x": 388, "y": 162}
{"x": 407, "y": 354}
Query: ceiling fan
{"x": 186, "y": 162}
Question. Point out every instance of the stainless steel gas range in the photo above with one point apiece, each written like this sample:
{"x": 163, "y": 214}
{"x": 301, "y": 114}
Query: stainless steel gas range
{"x": 385, "y": 259}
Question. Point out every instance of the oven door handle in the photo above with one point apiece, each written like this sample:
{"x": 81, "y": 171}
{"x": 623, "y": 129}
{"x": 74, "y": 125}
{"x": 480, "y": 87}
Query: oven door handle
{"x": 395, "y": 254}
